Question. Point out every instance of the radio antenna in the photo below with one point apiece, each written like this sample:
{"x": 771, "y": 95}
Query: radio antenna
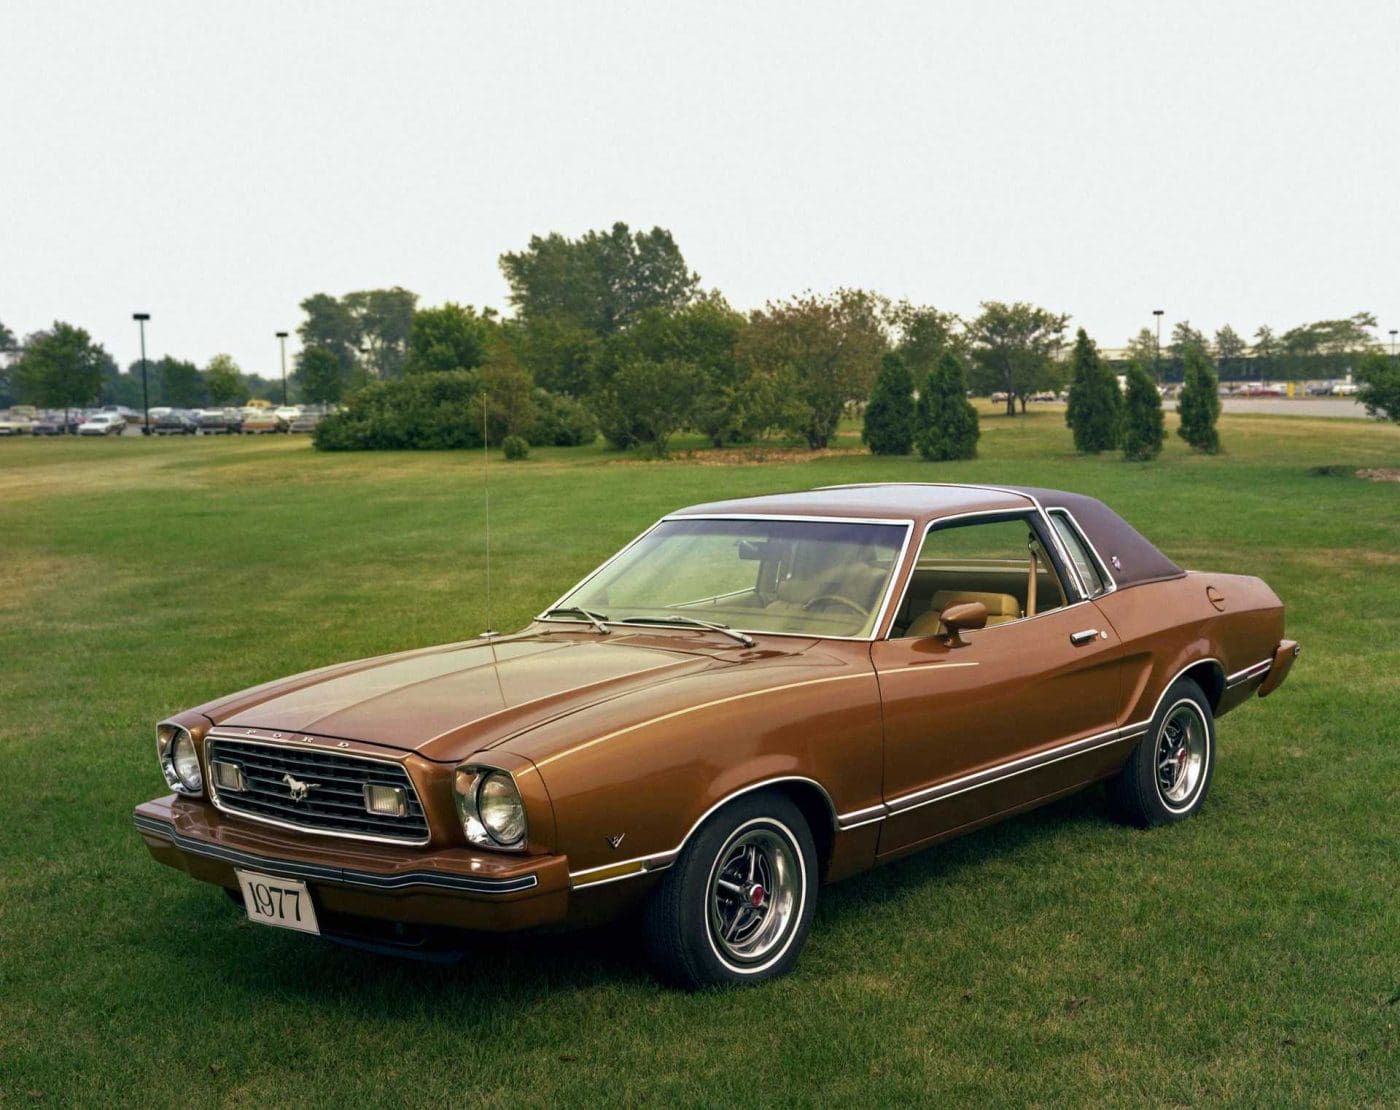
{"x": 486, "y": 482}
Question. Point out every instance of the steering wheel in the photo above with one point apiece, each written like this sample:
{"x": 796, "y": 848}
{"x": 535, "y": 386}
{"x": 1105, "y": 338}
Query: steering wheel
{"x": 823, "y": 599}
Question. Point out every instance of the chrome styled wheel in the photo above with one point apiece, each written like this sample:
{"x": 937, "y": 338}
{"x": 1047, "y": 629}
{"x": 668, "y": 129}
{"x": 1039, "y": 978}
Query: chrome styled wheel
{"x": 756, "y": 891}
{"x": 1182, "y": 749}
{"x": 737, "y": 905}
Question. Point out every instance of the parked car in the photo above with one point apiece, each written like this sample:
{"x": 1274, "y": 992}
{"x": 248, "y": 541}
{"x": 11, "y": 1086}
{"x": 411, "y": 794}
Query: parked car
{"x": 12, "y": 424}
{"x": 262, "y": 420}
{"x": 175, "y": 422}
{"x": 998, "y": 398}
{"x": 219, "y": 421}
{"x": 48, "y": 424}
{"x": 306, "y": 422}
{"x": 1319, "y": 389}
{"x": 288, "y": 412}
{"x": 753, "y": 697}
{"x": 1345, "y": 389}
{"x": 102, "y": 424}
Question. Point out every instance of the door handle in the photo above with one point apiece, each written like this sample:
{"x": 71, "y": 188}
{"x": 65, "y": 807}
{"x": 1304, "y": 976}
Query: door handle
{"x": 1083, "y": 637}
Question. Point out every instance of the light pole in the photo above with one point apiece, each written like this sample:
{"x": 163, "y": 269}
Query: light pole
{"x": 1157, "y": 347}
{"x": 141, "y": 318}
{"x": 282, "y": 338}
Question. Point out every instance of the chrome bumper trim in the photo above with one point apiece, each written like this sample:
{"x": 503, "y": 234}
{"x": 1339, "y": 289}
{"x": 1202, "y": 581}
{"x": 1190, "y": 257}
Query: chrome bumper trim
{"x": 342, "y": 875}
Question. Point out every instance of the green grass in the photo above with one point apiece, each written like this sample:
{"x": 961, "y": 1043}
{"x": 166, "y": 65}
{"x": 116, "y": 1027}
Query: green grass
{"x": 1246, "y": 956}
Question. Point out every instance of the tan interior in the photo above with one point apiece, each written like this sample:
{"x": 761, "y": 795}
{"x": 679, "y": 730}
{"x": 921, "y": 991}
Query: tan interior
{"x": 1001, "y": 609}
{"x": 1002, "y": 586}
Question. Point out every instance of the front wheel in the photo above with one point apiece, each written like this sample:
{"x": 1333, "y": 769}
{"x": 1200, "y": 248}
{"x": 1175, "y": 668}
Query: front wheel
{"x": 737, "y": 906}
{"x": 1169, "y": 772}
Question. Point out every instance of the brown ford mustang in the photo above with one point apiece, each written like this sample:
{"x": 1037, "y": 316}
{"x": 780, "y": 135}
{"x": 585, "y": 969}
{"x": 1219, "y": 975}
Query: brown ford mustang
{"x": 751, "y": 698}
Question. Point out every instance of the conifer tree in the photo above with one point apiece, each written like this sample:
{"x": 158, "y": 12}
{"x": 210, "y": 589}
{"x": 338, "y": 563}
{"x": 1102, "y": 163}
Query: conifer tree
{"x": 947, "y": 422}
{"x": 1143, "y": 427}
{"x": 1199, "y": 404}
{"x": 1095, "y": 412}
{"x": 889, "y": 416}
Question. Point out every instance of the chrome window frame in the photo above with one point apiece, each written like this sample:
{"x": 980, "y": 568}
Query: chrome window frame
{"x": 1027, "y": 514}
{"x": 896, "y": 566}
{"x": 1104, "y": 573}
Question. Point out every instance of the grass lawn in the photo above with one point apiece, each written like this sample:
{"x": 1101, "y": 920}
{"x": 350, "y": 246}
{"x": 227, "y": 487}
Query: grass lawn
{"x": 1249, "y": 956}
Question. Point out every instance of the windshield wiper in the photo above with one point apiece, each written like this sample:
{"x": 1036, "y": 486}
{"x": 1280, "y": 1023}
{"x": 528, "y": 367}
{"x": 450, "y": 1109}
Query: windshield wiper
{"x": 744, "y": 639}
{"x": 595, "y": 619}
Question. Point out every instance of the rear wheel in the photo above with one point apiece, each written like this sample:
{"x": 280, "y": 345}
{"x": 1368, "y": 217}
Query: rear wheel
{"x": 1167, "y": 776}
{"x": 737, "y": 906}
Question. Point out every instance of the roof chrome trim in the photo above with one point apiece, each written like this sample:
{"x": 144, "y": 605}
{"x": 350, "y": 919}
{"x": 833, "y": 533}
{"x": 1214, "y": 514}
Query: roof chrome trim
{"x": 471, "y": 883}
{"x": 905, "y": 522}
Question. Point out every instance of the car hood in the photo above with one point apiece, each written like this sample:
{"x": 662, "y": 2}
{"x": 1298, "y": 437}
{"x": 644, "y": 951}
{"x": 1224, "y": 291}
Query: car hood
{"x": 446, "y": 702}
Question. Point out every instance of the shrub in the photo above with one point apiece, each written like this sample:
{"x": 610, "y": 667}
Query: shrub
{"x": 1095, "y": 412}
{"x": 1199, "y": 404}
{"x": 1143, "y": 428}
{"x": 1380, "y": 386}
{"x": 515, "y": 448}
{"x": 560, "y": 422}
{"x": 648, "y": 401}
{"x": 947, "y": 422}
{"x": 889, "y": 417}
{"x": 431, "y": 410}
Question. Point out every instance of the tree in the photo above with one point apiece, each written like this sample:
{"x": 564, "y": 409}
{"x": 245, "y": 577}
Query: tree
{"x": 1184, "y": 337}
{"x": 224, "y": 381}
{"x": 889, "y": 417}
{"x": 507, "y": 393}
{"x": 703, "y": 334}
{"x": 560, "y": 353}
{"x": 1199, "y": 404}
{"x": 452, "y": 337}
{"x": 1143, "y": 426}
{"x": 1379, "y": 378}
{"x": 60, "y": 368}
{"x": 1012, "y": 348}
{"x": 1266, "y": 350}
{"x": 383, "y": 320}
{"x": 319, "y": 376}
{"x": 827, "y": 347}
{"x": 922, "y": 334}
{"x": 1327, "y": 348}
{"x": 181, "y": 384}
{"x": 1095, "y": 411}
{"x": 1230, "y": 349}
{"x": 653, "y": 400}
{"x": 330, "y": 325}
{"x": 947, "y": 421}
{"x": 601, "y": 281}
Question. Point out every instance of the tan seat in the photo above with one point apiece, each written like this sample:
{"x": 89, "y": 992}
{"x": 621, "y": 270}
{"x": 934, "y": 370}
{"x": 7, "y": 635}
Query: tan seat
{"x": 1001, "y": 609}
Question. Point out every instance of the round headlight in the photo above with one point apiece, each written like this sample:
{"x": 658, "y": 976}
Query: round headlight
{"x": 178, "y": 760}
{"x": 500, "y": 809}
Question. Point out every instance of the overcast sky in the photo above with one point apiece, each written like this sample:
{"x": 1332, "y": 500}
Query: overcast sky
{"x": 214, "y": 163}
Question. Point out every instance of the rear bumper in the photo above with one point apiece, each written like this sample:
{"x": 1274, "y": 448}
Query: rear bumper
{"x": 1279, "y": 667}
{"x": 452, "y": 887}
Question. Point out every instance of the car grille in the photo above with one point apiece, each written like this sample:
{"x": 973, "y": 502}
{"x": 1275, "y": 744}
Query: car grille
{"x": 335, "y": 805}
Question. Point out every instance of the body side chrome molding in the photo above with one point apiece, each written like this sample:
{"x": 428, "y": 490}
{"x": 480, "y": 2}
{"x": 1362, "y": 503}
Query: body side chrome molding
{"x": 316, "y": 872}
{"x": 1258, "y": 670}
{"x": 658, "y": 861}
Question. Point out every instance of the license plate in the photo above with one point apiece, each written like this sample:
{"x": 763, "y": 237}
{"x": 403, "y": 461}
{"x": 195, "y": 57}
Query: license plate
{"x": 285, "y": 903}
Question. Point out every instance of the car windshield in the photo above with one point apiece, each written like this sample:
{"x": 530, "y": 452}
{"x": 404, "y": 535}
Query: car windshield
{"x": 816, "y": 578}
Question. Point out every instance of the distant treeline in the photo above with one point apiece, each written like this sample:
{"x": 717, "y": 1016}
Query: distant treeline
{"x": 613, "y": 328}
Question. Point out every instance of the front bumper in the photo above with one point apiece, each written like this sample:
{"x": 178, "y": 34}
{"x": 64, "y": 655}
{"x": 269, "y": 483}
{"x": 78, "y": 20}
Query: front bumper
{"x": 454, "y": 887}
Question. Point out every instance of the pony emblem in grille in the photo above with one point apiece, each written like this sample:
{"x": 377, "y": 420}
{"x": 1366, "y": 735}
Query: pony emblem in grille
{"x": 317, "y": 790}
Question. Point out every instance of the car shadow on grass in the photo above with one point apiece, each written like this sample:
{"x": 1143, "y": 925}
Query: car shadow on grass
{"x": 512, "y": 971}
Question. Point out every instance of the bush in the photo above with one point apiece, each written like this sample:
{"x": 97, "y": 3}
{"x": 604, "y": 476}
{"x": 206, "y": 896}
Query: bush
{"x": 1143, "y": 428}
{"x": 1095, "y": 412}
{"x": 432, "y": 411}
{"x": 1199, "y": 404}
{"x": 1380, "y": 386}
{"x": 947, "y": 422}
{"x": 560, "y": 422}
{"x": 515, "y": 448}
{"x": 647, "y": 402}
{"x": 889, "y": 417}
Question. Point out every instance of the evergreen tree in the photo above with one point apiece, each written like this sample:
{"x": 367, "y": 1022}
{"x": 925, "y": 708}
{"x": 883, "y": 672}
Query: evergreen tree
{"x": 1095, "y": 412}
{"x": 1199, "y": 404}
{"x": 1143, "y": 427}
{"x": 947, "y": 422}
{"x": 889, "y": 417}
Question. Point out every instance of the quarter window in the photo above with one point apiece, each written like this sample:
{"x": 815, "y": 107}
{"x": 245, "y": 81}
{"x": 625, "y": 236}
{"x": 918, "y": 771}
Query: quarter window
{"x": 1084, "y": 562}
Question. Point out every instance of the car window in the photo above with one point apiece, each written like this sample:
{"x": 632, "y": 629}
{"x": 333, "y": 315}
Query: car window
{"x": 998, "y": 562}
{"x": 1078, "y": 549}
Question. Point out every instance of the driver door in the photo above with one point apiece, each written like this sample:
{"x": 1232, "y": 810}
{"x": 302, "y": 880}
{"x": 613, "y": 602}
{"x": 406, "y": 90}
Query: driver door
{"x": 992, "y": 719}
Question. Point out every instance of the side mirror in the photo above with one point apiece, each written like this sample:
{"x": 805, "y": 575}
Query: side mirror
{"x": 964, "y": 616}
